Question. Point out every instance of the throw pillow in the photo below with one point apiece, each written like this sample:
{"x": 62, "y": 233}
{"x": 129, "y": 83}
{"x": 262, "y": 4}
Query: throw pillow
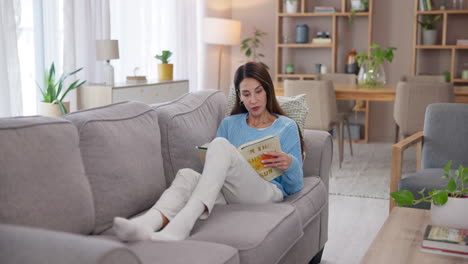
{"x": 295, "y": 107}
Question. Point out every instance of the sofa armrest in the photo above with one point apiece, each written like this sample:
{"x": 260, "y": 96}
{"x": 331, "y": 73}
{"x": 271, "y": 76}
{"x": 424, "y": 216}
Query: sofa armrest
{"x": 319, "y": 152}
{"x": 19, "y": 245}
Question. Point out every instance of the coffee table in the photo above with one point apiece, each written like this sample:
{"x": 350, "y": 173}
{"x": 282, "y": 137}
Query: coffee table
{"x": 399, "y": 240}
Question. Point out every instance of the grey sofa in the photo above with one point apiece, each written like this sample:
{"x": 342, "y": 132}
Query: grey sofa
{"x": 63, "y": 180}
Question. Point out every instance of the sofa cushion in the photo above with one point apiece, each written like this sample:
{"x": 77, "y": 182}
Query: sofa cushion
{"x": 311, "y": 200}
{"x": 189, "y": 121}
{"x": 262, "y": 233}
{"x": 121, "y": 150}
{"x": 42, "y": 179}
{"x": 427, "y": 178}
{"x": 183, "y": 252}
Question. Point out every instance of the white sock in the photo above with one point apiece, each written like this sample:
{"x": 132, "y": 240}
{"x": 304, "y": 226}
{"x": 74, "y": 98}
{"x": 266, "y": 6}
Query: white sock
{"x": 139, "y": 228}
{"x": 179, "y": 228}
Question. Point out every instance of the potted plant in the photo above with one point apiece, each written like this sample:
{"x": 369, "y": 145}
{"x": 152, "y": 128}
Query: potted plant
{"x": 449, "y": 206}
{"x": 250, "y": 45}
{"x": 428, "y": 23}
{"x": 357, "y": 6}
{"x": 53, "y": 93}
{"x": 164, "y": 69}
{"x": 291, "y": 6}
{"x": 371, "y": 72}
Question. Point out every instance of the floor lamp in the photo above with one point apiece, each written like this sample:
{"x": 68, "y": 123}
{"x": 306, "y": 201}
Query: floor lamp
{"x": 221, "y": 32}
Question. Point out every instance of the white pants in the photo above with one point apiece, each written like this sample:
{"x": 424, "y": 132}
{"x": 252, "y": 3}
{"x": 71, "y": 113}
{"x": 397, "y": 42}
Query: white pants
{"x": 227, "y": 178}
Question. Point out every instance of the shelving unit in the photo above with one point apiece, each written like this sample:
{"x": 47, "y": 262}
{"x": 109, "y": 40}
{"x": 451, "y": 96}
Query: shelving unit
{"x": 448, "y": 36}
{"x": 332, "y": 55}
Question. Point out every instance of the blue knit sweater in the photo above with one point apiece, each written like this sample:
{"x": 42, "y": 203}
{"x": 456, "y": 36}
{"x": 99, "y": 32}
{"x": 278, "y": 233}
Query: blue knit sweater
{"x": 235, "y": 129}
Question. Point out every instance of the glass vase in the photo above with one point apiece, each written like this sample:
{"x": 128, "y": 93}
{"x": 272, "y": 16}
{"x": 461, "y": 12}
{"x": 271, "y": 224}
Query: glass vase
{"x": 371, "y": 75}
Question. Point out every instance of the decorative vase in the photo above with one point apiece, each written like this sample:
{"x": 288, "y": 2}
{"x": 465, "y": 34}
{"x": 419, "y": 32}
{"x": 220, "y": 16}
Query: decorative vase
{"x": 452, "y": 214}
{"x": 302, "y": 33}
{"x": 49, "y": 109}
{"x": 429, "y": 36}
{"x": 371, "y": 76}
{"x": 357, "y": 6}
{"x": 289, "y": 68}
{"x": 165, "y": 72}
{"x": 291, "y": 6}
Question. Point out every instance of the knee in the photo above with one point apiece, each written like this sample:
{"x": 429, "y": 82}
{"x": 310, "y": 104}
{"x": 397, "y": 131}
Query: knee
{"x": 187, "y": 175}
{"x": 220, "y": 141}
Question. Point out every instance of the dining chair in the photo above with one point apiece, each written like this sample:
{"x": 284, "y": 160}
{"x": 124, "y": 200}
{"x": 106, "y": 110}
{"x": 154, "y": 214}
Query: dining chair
{"x": 411, "y": 100}
{"x": 423, "y": 78}
{"x": 344, "y": 107}
{"x": 443, "y": 139}
{"x": 321, "y": 100}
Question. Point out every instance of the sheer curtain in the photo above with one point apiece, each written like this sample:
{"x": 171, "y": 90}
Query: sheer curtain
{"x": 144, "y": 28}
{"x": 10, "y": 77}
{"x": 84, "y": 22}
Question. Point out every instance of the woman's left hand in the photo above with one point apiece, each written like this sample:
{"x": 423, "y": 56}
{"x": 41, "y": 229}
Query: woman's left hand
{"x": 278, "y": 160}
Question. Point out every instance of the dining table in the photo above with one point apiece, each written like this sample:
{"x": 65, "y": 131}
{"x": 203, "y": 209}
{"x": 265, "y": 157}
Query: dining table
{"x": 385, "y": 93}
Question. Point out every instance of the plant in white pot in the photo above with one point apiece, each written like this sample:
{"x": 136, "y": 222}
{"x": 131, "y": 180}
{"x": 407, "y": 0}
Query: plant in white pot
{"x": 290, "y": 6}
{"x": 429, "y": 32}
{"x": 54, "y": 93}
{"x": 449, "y": 206}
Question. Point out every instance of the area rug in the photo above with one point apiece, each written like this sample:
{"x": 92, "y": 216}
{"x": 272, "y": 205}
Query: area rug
{"x": 367, "y": 172}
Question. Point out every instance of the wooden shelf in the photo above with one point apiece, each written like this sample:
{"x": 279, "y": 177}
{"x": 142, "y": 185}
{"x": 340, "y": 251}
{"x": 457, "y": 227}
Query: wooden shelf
{"x": 457, "y": 47}
{"x": 297, "y": 75}
{"x": 441, "y": 12}
{"x": 306, "y": 45}
{"x": 447, "y": 32}
{"x": 346, "y": 14}
{"x": 335, "y": 23}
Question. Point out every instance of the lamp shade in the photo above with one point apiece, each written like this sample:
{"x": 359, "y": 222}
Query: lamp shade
{"x": 107, "y": 49}
{"x": 221, "y": 31}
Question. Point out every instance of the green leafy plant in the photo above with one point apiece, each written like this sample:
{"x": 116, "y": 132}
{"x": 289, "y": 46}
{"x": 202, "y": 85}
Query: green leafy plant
{"x": 428, "y": 22}
{"x": 353, "y": 12}
{"x": 53, "y": 91}
{"x": 250, "y": 45}
{"x": 164, "y": 57}
{"x": 447, "y": 76}
{"x": 291, "y": 1}
{"x": 455, "y": 188}
{"x": 374, "y": 59}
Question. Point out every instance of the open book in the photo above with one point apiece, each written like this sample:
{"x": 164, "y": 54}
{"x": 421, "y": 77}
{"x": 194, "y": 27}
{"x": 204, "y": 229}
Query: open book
{"x": 253, "y": 153}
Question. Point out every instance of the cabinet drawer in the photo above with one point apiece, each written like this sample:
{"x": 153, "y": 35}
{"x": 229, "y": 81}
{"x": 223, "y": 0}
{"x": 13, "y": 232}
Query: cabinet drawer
{"x": 150, "y": 94}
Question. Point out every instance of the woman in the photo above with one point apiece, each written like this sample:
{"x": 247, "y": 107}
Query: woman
{"x": 227, "y": 176}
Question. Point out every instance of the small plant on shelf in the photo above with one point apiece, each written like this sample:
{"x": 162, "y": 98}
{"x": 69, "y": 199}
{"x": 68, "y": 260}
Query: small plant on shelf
{"x": 357, "y": 6}
{"x": 250, "y": 45}
{"x": 428, "y": 22}
{"x": 455, "y": 188}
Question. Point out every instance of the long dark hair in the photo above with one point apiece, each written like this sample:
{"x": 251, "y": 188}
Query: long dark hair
{"x": 256, "y": 71}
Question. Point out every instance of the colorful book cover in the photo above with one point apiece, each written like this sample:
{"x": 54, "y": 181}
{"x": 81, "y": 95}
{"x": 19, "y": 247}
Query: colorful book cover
{"x": 446, "y": 239}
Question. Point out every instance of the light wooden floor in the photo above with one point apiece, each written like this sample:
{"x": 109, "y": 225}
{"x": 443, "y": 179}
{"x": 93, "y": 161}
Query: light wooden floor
{"x": 352, "y": 225}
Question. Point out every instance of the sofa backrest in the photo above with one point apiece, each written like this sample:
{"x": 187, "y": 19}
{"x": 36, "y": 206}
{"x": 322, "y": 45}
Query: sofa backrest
{"x": 121, "y": 150}
{"x": 189, "y": 121}
{"x": 445, "y": 133}
{"x": 42, "y": 178}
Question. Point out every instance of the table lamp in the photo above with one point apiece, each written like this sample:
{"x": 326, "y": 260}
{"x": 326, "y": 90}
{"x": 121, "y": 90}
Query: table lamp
{"x": 221, "y": 32}
{"x": 107, "y": 49}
